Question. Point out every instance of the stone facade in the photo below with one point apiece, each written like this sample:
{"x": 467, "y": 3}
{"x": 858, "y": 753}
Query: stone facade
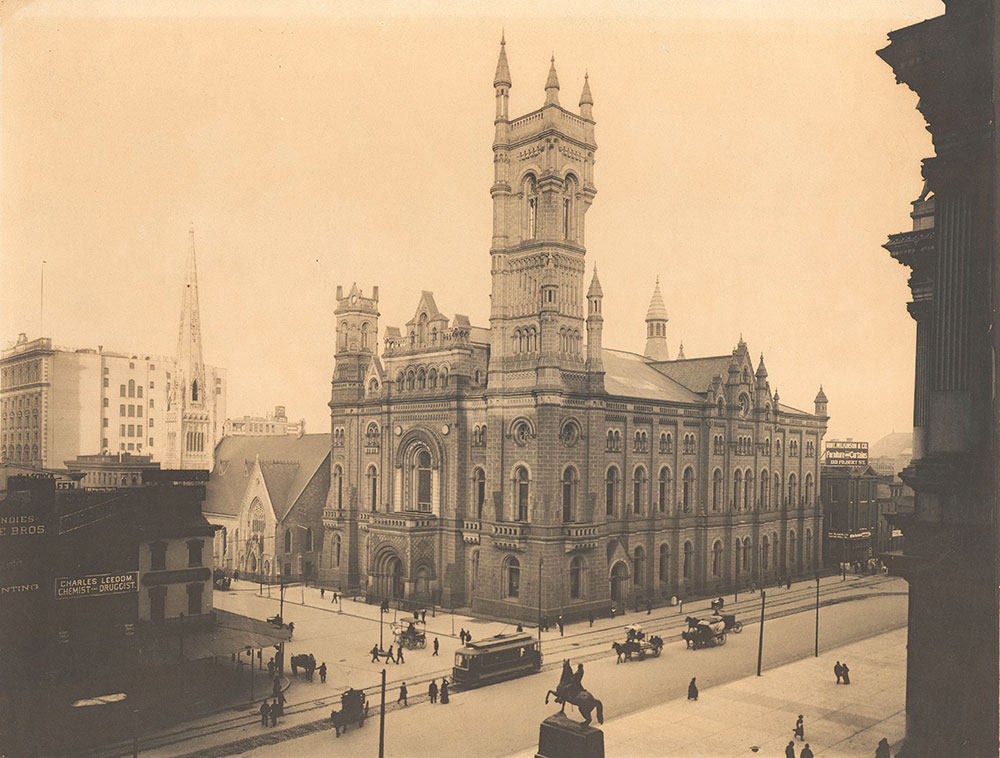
{"x": 524, "y": 468}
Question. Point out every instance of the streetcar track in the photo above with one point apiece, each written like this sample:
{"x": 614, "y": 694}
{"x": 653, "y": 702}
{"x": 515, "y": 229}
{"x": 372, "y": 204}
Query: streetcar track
{"x": 572, "y": 645}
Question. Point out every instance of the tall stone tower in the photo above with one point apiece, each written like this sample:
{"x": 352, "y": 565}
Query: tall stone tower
{"x": 656, "y": 327}
{"x": 543, "y": 185}
{"x": 191, "y": 421}
{"x": 357, "y": 330}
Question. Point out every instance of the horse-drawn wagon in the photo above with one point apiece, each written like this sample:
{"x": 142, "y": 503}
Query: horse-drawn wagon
{"x": 732, "y": 625}
{"x": 637, "y": 644}
{"x": 409, "y": 634}
{"x": 353, "y": 707}
{"x": 704, "y": 632}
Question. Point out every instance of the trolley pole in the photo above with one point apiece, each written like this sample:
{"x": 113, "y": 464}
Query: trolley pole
{"x": 760, "y": 641}
{"x": 816, "y": 650}
{"x": 381, "y": 721}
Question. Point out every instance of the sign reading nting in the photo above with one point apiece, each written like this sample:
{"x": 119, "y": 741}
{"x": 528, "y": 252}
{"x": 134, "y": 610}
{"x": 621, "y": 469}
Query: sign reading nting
{"x": 96, "y": 584}
{"x": 846, "y": 453}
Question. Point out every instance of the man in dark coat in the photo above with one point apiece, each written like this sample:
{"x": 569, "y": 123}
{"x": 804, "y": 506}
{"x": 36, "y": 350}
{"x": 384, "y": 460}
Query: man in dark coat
{"x": 402, "y": 694}
{"x": 264, "y": 713}
{"x": 882, "y": 749}
{"x": 374, "y": 652}
{"x": 561, "y": 625}
{"x": 274, "y": 714}
{"x": 435, "y": 646}
{"x": 322, "y": 673}
{"x": 790, "y": 749}
{"x": 389, "y": 656}
{"x": 692, "y": 690}
{"x": 432, "y": 691}
{"x": 806, "y": 752}
{"x": 399, "y": 655}
{"x": 839, "y": 671}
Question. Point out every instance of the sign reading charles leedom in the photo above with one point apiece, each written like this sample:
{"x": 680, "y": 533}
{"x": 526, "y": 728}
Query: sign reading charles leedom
{"x": 96, "y": 584}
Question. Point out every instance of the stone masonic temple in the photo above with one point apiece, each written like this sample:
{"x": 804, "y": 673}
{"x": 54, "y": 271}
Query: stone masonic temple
{"x": 524, "y": 467}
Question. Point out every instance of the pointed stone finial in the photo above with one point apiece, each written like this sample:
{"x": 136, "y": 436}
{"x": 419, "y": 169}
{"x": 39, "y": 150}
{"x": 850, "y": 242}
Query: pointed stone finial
{"x": 595, "y": 286}
{"x": 657, "y": 310}
{"x": 821, "y": 396}
{"x": 761, "y": 371}
{"x": 586, "y": 99}
{"x": 680, "y": 352}
{"x": 552, "y": 85}
{"x": 502, "y": 76}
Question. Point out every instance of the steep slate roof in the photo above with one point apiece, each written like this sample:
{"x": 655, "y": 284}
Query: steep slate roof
{"x": 696, "y": 373}
{"x": 630, "y": 375}
{"x": 288, "y": 464}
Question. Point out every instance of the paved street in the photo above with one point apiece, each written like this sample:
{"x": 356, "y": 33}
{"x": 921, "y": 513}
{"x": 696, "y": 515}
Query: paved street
{"x": 343, "y": 639}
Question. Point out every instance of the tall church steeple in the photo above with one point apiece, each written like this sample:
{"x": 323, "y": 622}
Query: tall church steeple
{"x": 191, "y": 423}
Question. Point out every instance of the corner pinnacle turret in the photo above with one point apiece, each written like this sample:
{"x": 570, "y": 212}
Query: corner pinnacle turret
{"x": 552, "y": 85}
{"x": 586, "y": 99}
{"x": 502, "y": 76}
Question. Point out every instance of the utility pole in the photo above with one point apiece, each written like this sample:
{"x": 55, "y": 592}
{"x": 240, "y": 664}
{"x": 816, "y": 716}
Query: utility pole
{"x": 760, "y": 642}
{"x": 816, "y": 651}
{"x": 540, "y": 562}
{"x": 381, "y": 720}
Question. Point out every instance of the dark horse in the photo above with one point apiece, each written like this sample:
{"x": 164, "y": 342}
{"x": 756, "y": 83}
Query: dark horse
{"x": 570, "y": 690}
{"x": 626, "y": 649}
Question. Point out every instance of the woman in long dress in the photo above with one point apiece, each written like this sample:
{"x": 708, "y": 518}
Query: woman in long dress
{"x": 444, "y": 691}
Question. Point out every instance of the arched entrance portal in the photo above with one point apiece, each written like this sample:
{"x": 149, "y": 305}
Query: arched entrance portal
{"x": 387, "y": 575}
{"x": 619, "y": 584}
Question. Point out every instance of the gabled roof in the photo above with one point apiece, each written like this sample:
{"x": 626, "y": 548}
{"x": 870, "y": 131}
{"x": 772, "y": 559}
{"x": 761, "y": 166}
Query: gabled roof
{"x": 631, "y": 375}
{"x": 287, "y": 463}
{"x": 696, "y": 373}
{"x": 428, "y": 306}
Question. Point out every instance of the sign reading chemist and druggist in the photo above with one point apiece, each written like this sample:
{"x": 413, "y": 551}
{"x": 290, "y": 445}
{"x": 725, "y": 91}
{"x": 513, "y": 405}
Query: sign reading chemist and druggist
{"x": 846, "y": 453}
{"x": 96, "y": 584}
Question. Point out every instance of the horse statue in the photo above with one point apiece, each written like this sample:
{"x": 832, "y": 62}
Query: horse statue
{"x": 570, "y": 690}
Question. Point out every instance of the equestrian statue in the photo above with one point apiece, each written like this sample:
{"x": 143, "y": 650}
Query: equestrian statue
{"x": 570, "y": 690}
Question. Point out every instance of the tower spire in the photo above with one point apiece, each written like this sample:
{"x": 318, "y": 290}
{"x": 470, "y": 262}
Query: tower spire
{"x": 656, "y": 327}
{"x": 502, "y": 76}
{"x": 189, "y": 360}
{"x": 552, "y": 84}
{"x": 586, "y": 99}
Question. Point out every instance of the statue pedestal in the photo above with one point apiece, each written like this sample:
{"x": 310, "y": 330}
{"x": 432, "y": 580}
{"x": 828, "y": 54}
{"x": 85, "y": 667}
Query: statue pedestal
{"x": 561, "y": 737}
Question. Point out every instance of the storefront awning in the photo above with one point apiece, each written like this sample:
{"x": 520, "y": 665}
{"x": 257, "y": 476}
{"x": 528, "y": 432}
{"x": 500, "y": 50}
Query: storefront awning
{"x": 231, "y": 633}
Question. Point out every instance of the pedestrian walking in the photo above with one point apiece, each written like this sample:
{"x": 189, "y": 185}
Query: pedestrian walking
{"x": 839, "y": 671}
{"x": 322, "y": 673}
{"x": 236, "y": 576}
{"x": 790, "y": 749}
{"x": 375, "y": 653}
{"x": 545, "y": 623}
{"x": 562, "y": 627}
{"x": 649, "y": 607}
{"x": 590, "y": 617}
{"x": 322, "y": 593}
{"x": 613, "y": 609}
{"x": 800, "y": 729}
{"x": 882, "y": 749}
{"x": 520, "y": 628}
{"x": 273, "y": 712}
{"x": 845, "y": 673}
{"x": 291, "y": 629}
{"x": 692, "y": 690}
{"x": 279, "y": 704}
{"x": 788, "y": 583}
{"x": 265, "y": 710}
{"x": 389, "y": 656}
{"x": 270, "y": 668}
{"x": 806, "y": 752}
{"x": 435, "y": 646}
{"x": 275, "y": 686}
{"x": 423, "y": 617}
{"x": 432, "y": 691}
{"x": 402, "y": 695}
{"x": 444, "y": 691}
{"x": 399, "y": 655}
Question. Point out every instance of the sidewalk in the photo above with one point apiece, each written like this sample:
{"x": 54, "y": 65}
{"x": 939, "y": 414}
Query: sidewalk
{"x": 760, "y": 712}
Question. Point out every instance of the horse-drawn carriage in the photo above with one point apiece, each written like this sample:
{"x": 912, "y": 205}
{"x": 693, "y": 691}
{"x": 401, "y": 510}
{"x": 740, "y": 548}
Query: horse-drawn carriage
{"x": 637, "y": 644}
{"x": 305, "y": 662}
{"x": 353, "y": 707}
{"x": 704, "y": 632}
{"x": 409, "y": 634}
{"x": 220, "y": 581}
{"x": 732, "y": 625}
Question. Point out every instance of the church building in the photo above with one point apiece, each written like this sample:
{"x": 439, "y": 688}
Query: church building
{"x": 522, "y": 467}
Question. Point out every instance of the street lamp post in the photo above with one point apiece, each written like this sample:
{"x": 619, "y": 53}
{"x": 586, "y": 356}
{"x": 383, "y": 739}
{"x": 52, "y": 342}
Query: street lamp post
{"x": 816, "y": 650}
{"x": 760, "y": 641}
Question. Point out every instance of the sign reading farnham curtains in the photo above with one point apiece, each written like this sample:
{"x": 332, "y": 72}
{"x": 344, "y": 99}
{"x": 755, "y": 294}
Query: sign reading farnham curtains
{"x": 97, "y": 584}
{"x": 846, "y": 453}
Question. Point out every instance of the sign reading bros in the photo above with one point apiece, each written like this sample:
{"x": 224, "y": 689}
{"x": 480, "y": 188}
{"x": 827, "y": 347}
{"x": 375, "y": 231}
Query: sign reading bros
{"x": 96, "y": 584}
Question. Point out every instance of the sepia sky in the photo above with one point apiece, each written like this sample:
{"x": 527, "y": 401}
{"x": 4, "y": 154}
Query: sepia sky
{"x": 753, "y": 155}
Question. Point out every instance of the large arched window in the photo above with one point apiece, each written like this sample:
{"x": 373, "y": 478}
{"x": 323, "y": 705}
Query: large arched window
{"x": 717, "y": 559}
{"x": 337, "y": 486}
{"x": 664, "y": 489}
{"x": 288, "y": 540}
{"x": 479, "y": 491}
{"x": 777, "y": 490}
{"x": 639, "y": 566}
{"x": 809, "y": 548}
{"x": 764, "y": 553}
{"x": 522, "y": 486}
{"x": 569, "y": 479}
{"x": 131, "y": 388}
{"x": 335, "y": 551}
{"x": 511, "y": 577}
{"x": 809, "y": 489}
{"x": 567, "y": 208}
{"x": 747, "y": 553}
{"x": 423, "y": 483}
{"x": 372, "y": 477}
{"x": 664, "y": 563}
{"x": 611, "y": 482}
{"x": 775, "y": 554}
{"x": 739, "y": 555}
{"x": 716, "y": 489}
{"x": 576, "y": 578}
{"x": 792, "y": 556}
{"x": 688, "y": 491}
{"x": 688, "y": 560}
{"x": 638, "y": 487}
{"x": 737, "y": 488}
{"x": 309, "y": 539}
{"x": 793, "y": 491}
{"x": 748, "y": 489}
{"x": 765, "y": 490}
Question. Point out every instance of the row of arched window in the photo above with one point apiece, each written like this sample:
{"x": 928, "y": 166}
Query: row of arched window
{"x": 132, "y": 390}
{"x": 372, "y": 436}
{"x": 690, "y": 444}
{"x": 338, "y": 436}
{"x": 19, "y": 453}
{"x": 367, "y": 335}
{"x": 532, "y": 208}
{"x": 479, "y": 435}
{"x": 422, "y": 379}
{"x": 194, "y": 441}
{"x": 524, "y": 340}
{"x": 22, "y": 373}
{"x": 570, "y": 341}
{"x": 307, "y": 546}
{"x": 641, "y": 442}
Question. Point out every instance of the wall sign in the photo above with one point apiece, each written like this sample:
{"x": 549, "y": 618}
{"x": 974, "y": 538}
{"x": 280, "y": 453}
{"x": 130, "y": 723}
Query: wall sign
{"x": 96, "y": 584}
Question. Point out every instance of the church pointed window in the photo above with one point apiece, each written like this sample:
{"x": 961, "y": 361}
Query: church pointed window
{"x": 194, "y": 391}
